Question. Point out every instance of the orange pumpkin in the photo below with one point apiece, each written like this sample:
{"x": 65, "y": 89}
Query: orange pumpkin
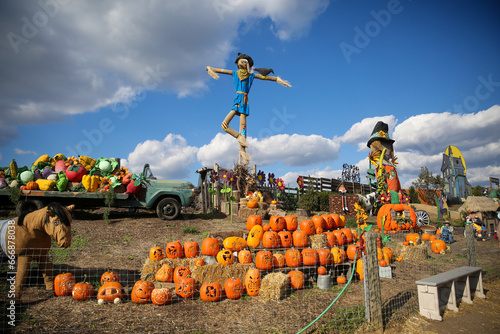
{"x": 286, "y": 239}
{"x": 353, "y": 251}
{"x": 296, "y": 279}
{"x": 336, "y": 220}
{"x": 161, "y": 296}
{"x": 413, "y": 238}
{"x": 252, "y": 282}
{"x": 233, "y": 288}
{"x": 331, "y": 239}
{"x": 180, "y": 273}
{"x": 325, "y": 257}
{"x": 426, "y": 236}
{"x": 110, "y": 291}
{"x": 266, "y": 227}
{"x": 252, "y": 204}
{"x": 382, "y": 263}
{"x": 310, "y": 257}
{"x": 277, "y": 223}
{"x": 271, "y": 239}
{"x": 191, "y": 249}
{"x": 110, "y": 276}
{"x": 264, "y": 260}
{"x": 225, "y": 257}
{"x": 279, "y": 260}
{"x": 210, "y": 247}
{"x": 245, "y": 256}
{"x": 321, "y": 270}
{"x": 156, "y": 253}
{"x": 199, "y": 262}
{"x": 63, "y": 284}
{"x": 318, "y": 222}
{"x": 348, "y": 234}
{"x": 300, "y": 238}
{"x": 291, "y": 223}
{"x": 328, "y": 222}
{"x": 141, "y": 292}
{"x": 293, "y": 258}
{"x": 389, "y": 224}
{"x": 341, "y": 279}
{"x": 165, "y": 273}
{"x": 211, "y": 292}
{"x": 82, "y": 291}
{"x": 308, "y": 227}
{"x": 438, "y": 246}
{"x": 253, "y": 220}
{"x": 186, "y": 287}
{"x": 174, "y": 250}
{"x": 31, "y": 185}
{"x": 341, "y": 238}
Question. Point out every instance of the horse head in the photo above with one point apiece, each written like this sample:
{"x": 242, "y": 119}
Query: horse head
{"x": 58, "y": 223}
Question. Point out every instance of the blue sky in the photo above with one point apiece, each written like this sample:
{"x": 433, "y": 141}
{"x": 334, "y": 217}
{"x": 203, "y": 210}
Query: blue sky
{"x": 127, "y": 79}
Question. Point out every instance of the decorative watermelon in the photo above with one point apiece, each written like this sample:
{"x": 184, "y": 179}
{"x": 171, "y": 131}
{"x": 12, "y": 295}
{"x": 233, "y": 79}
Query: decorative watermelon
{"x": 26, "y": 176}
{"x": 75, "y": 173}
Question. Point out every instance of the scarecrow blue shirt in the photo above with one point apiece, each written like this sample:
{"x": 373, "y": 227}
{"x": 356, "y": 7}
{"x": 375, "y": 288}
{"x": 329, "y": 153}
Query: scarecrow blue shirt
{"x": 242, "y": 89}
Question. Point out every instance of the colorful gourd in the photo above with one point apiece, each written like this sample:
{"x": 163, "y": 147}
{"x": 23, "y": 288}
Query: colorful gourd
{"x": 91, "y": 182}
{"x": 338, "y": 255}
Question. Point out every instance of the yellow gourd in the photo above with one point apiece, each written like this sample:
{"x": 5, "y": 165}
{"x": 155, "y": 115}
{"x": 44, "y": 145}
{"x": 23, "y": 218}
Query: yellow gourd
{"x": 47, "y": 185}
{"x": 86, "y": 161}
{"x": 13, "y": 169}
{"x": 43, "y": 158}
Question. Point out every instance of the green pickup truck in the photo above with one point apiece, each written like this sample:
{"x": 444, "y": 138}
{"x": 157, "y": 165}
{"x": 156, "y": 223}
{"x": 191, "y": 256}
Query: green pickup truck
{"x": 166, "y": 197}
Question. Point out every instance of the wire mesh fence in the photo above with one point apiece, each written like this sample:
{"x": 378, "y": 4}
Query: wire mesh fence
{"x": 322, "y": 305}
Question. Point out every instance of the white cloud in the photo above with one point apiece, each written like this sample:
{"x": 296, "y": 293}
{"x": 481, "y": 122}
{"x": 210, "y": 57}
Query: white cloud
{"x": 222, "y": 150}
{"x": 22, "y": 152}
{"x": 170, "y": 158}
{"x": 89, "y": 55}
{"x": 360, "y": 132}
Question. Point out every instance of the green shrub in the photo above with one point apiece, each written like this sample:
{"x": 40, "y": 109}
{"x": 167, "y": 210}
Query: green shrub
{"x": 413, "y": 195}
{"x": 309, "y": 201}
{"x": 324, "y": 200}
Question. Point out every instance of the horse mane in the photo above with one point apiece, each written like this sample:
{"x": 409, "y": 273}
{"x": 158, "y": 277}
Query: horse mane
{"x": 55, "y": 207}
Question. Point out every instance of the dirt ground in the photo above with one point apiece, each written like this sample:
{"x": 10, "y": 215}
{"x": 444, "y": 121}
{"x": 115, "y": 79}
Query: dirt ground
{"x": 127, "y": 238}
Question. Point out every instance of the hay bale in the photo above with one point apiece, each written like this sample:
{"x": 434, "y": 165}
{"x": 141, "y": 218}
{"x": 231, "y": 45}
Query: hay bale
{"x": 152, "y": 266}
{"x": 273, "y": 287}
{"x": 220, "y": 273}
{"x": 412, "y": 253}
{"x": 317, "y": 241}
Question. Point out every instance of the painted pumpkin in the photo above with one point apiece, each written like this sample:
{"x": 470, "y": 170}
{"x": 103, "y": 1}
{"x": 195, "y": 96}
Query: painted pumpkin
{"x": 286, "y": 240}
{"x": 245, "y": 256}
{"x": 210, "y": 247}
{"x": 252, "y": 282}
{"x": 277, "y": 223}
{"x": 233, "y": 288}
{"x": 211, "y": 292}
{"x": 234, "y": 244}
{"x": 293, "y": 258}
{"x": 300, "y": 238}
{"x": 141, "y": 292}
{"x": 156, "y": 253}
{"x": 225, "y": 257}
{"x": 174, "y": 250}
{"x": 254, "y": 237}
{"x": 191, "y": 249}
{"x": 279, "y": 260}
{"x": 296, "y": 279}
{"x": 253, "y": 220}
{"x": 180, "y": 273}
{"x": 271, "y": 239}
{"x": 264, "y": 260}
{"x": 165, "y": 273}
{"x": 310, "y": 257}
{"x": 110, "y": 291}
{"x": 161, "y": 296}
{"x": 186, "y": 287}
{"x": 63, "y": 284}
{"x": 82, "y": 291}
{"x": 308, "y": 227}
{"x": 291, "y": 223}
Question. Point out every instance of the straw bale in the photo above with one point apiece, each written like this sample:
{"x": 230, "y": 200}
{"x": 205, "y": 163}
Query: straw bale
{"x": 152, "y": 266}
{"x": 412, "y": 253}
{"x": 273, "y": 287}
{"x": 318, "y": 241}
{"x": 220, "y": 273}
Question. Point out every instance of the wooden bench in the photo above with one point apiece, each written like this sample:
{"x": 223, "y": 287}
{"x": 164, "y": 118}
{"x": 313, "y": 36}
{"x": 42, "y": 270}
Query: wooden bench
{"x": 441, "y": 291}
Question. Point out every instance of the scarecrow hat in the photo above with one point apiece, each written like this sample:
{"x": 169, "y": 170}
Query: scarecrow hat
{"x": 380, "y": 132}
{"x": 244, "y": 56}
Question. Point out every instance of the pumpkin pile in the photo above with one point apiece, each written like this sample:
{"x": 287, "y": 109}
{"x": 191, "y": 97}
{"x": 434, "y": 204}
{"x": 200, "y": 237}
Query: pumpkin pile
{"x": 81, "y": 174}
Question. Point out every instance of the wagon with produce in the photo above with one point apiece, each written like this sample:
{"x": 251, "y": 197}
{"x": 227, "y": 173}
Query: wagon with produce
{"x": 91, "y": 183}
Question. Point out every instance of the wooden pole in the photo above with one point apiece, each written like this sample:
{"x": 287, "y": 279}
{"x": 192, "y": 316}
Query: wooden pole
{"x": 373, "y": 282}
{"x": 471, "y": 246}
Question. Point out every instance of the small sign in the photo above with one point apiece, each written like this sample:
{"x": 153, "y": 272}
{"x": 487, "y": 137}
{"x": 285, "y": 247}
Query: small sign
{"x": 385, "y": 272}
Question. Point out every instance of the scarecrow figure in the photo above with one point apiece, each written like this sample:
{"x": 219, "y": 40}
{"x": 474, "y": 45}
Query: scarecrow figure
{"x": 243, "y": 79}
{"x": 447, "y": 233}
{"x": 382, "y": 156}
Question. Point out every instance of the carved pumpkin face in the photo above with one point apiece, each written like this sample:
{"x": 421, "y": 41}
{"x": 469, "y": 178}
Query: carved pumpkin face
{"x": 278, "y": 260}
{"x": 109, "y": 291}
{"x": 296, "y": 279}
{"x": 156, "y": 253}
{"x": 310, "y": 257}
{"x": 252, "y": 282}
{"x": 225, "y": 257}
{"x": 211, "y": 292}
{"x": 191, "y": 249}
{"x": 293, "y": 258}
{"x": 174, "y": 250}
{"x": 161, "y": 296}
{"x": 63, "y": 284}
{"x": 110, "y": 276}
{"x": 141, "y": 292}
{"x": 186, "y": 287}
{"x": 285, "y": 239}
{"x": 180, "y": 273}
{"x": 264, "y": 260}
{"x": 271, "y": 240}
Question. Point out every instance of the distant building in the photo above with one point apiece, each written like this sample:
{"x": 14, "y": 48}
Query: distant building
{"x": 454, "y": 174}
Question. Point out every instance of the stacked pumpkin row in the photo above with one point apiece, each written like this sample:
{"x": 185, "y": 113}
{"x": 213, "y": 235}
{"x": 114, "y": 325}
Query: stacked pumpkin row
{"x": 59, "y": 173}
{"x": 438, "y": 246}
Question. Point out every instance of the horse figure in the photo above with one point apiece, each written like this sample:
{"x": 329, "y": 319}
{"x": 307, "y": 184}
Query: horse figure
{"x": 369, "y": 200}
{"x": 31, "y": 240}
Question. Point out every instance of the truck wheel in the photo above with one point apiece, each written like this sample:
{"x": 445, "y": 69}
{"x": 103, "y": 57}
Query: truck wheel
{"x": 28, "y": 206}
{"x": 168, "y": 209}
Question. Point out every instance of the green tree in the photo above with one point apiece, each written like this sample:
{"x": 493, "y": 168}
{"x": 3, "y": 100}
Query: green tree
{"x": 413, "y": 195}
{"x": 428, "y": 182}
{"x": 477, "y": 190}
